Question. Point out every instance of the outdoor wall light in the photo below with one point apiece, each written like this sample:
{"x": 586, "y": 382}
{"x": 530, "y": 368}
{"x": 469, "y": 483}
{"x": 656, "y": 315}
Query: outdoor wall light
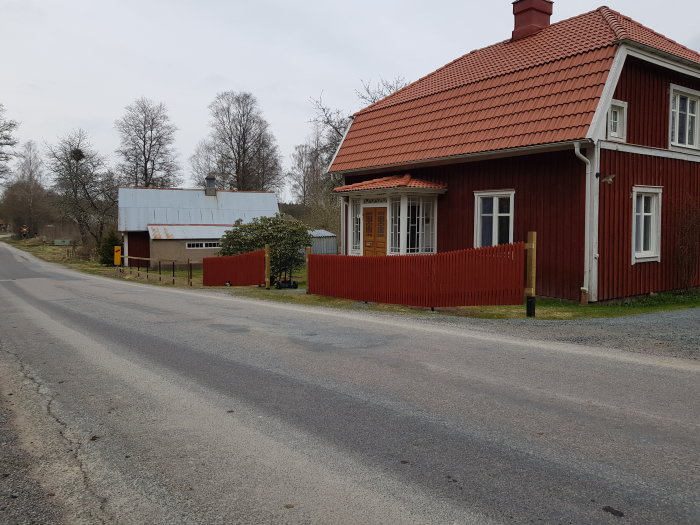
{"x": 607, "y": 178}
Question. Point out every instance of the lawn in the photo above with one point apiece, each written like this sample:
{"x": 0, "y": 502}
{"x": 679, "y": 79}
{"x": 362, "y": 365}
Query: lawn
{"x": 547, "y": 309}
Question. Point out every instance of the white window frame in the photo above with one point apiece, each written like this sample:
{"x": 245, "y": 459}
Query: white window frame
{"x": 355, "y": 225}
{"x": 426, "y": 225}
{"x": 654, "y": 253}
{"x": 619, "y": 134}
{"x": 478, "y": 195}
{"x": 691, "y": 94}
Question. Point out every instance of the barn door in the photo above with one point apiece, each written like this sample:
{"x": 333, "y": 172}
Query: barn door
{"x": 374, "y": 220}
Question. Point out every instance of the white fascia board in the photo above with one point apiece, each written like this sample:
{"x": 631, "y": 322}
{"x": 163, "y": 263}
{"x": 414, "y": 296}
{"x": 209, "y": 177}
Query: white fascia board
{"x": 659, "y": 58}
{"x": 598, "y": 127}
{"x": 467, "y": 157}
{"x": 340, "y": 144}
{"x": 391, "y": 191}
{"x": 649, "y": 152}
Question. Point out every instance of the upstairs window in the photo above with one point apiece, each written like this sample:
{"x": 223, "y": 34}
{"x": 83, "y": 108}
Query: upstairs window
{"x": 646, "y": 224}
{"x": 685, "y": 105}
{"x": 493, "y": 218}
{"x": 617, "y": 121}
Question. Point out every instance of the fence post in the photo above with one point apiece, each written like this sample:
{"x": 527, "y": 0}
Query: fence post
{"x": 530, "y": 285}
{"x": 267, "y": 266}
{"x": 308, "y": 252}
{"x": 189, "y": 271}
{"x": 160, "y": 276}
{"x": 173, "y": 273}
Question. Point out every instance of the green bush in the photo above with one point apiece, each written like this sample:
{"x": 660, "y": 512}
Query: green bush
{"x": 106, "y": 250}
{"x": 287, "y": 240}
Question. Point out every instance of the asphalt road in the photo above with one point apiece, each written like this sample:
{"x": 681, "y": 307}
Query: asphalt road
{"x": 138, "y": 404}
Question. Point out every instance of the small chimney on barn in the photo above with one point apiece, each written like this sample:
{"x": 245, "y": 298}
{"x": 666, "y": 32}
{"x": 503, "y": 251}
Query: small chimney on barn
{"x": 531, "y": 16}
{"x": 210, "y": 185}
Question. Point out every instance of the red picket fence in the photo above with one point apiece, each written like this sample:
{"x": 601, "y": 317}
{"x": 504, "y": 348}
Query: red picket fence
{"x": 239, "y": 270}
{"x": 482, "y": 276}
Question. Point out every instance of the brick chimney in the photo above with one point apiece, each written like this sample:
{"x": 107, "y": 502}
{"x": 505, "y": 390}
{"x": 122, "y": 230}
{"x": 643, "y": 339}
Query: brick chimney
{"x": 531, "y": 16}
{"x": 210, "y": 185}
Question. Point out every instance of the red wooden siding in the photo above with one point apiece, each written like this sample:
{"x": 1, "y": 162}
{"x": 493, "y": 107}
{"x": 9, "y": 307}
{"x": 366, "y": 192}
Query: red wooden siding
{"x": 484, "y": 276}
{"x": 549, "y": 199}
{"x": 645, "y": 88}
{"x": 139, "y": 246}
{"x": 239, "y": 270}
{"x": 680, "y": 180}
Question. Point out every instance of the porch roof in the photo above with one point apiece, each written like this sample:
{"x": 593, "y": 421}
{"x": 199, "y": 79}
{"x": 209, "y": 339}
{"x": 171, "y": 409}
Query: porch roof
{"x": 393, "y": 182}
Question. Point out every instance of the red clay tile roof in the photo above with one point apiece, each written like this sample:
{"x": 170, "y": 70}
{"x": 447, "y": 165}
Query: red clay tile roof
{"x": 541, "y": 89}
{"x": 395, "y": 181}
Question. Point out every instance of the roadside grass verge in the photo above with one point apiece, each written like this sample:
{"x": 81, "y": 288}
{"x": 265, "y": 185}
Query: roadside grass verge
{"x": 547, "y": 309}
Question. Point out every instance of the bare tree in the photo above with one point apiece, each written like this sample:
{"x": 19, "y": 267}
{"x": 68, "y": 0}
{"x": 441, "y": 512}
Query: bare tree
{"x": 372, "y": 93}
{"x": 85, "y": 187}
{"x": 333, "y": 124}
{"x": 27, "y": 189}
{"x": 308, "y": 169}
{"x": 311, "y": 185}
{"x": 207, "y": 160}
{"x": 7, "y": 141}
{"x": 147, "y": 154}
{"x": 242, "y": 143}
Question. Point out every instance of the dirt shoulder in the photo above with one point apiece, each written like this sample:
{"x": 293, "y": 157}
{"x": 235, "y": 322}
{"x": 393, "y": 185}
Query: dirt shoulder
{"x": 22, "y": 498}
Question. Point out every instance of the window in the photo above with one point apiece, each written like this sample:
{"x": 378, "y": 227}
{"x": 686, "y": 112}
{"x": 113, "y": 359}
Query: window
{"x": 199, "y": 245}
{"x": 421, "y": 235}
{"x": 685, "y": 105}
{"x": 617, "y": 121}
{"x": 493, "y": 218}
{"x": 646, "y": 224}
{"x": 395, "y": 224}
{"x": 355, "y": 214}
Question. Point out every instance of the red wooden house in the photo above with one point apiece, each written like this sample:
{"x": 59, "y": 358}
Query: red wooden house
{"x": 586, "y": 131}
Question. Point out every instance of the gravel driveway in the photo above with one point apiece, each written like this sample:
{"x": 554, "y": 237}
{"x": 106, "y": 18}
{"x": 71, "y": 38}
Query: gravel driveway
{"x": 670, "y": 334}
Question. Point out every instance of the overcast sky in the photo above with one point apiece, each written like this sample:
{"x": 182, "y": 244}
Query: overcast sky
{"x": 78, "y": 63}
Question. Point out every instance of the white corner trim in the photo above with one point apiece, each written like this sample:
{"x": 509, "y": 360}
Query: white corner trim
{"x": 599, "y": 124}
{"x": 650, "y": 152}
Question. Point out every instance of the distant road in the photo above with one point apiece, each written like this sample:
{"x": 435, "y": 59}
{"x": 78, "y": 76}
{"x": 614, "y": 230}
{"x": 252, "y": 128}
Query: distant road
{"x": 143, "y": 404}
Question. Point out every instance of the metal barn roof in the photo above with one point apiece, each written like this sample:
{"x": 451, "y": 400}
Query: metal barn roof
{"x": 321, "y": 233}
{"x": 140, "y": 207}
{"x": 190, "y": 231}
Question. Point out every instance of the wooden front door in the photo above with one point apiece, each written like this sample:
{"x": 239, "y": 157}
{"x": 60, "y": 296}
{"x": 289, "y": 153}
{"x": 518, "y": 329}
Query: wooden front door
{"x": 374, "y": 220}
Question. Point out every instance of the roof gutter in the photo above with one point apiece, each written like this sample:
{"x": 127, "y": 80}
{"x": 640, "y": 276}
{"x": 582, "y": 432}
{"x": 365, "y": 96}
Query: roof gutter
{"x": 467, "y": 157}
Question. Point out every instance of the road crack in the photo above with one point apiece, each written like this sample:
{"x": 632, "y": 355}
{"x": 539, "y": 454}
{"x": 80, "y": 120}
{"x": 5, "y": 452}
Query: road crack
{"x": 74, "y": 445}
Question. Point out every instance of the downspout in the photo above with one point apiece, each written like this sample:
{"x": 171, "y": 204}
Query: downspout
{"x": 587, "y": 229}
